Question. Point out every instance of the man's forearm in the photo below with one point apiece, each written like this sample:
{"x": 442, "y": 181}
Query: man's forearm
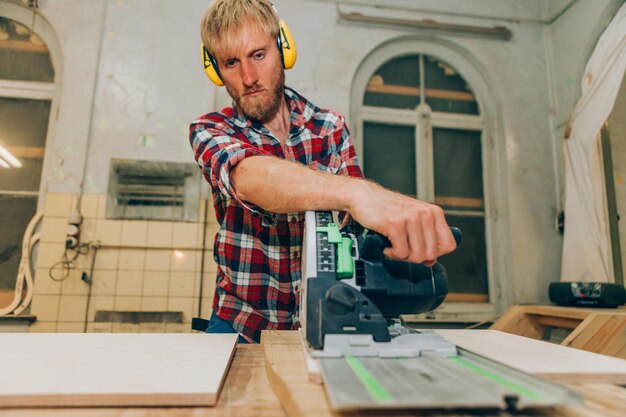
{"x": 283, "y": 186}
{"x": 417, "y": 230}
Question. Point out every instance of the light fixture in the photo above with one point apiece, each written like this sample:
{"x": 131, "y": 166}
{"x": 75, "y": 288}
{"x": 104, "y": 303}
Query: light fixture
{"x": 4, "y": 164}
{"x": 9, "y": 157}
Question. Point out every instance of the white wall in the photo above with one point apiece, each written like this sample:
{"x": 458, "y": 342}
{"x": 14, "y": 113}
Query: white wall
{"x": 149, "y": 85}
{"x": 78, "y": 31}
{"x": 145, "y": 61}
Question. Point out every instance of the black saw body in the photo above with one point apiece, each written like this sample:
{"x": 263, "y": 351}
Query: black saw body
{"x": 361, "y": 299}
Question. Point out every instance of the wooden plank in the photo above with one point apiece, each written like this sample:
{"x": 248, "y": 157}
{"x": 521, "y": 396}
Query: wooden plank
{"x": 595, "y": 330}
{"x": 455, "y": 297}
{"x": 560, "y": 322}
{"x": 516, "y": 321}
{"x": 460, "y": 202}
{"x": 608, "y": 395}
{"x": 287, "y": 373}
{"x": 23, "y": 46}
{"x": 246, "y": 393}
{"x": 54, "y": 369}
{"x": 373, "y": 87}
{"x": 568, "y": 312}
{"x": 600, "y": 333}
{"x": 545, "y": 359}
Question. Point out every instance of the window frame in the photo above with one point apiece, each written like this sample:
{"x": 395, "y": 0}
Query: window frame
{"x": 500, "y": 290}
{"x": 35, "y": 90}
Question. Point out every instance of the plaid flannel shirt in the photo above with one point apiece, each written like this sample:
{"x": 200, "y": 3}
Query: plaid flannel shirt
{"x": 258, "y": 254}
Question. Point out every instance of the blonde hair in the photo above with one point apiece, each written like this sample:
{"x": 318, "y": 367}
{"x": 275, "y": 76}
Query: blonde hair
{"x": 224, "y": 18}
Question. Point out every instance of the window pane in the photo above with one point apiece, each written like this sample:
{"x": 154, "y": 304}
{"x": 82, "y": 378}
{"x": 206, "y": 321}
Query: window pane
{"x": 395, "y": 84}
{"x": 23, "y": 54}
{"x": 23, "y": 130}
{"x": 446, "y": 90}
{"x": 389, "y": 156}
{"x": 458, "y": 169}
{"x": 467, "y": 266}
{"x": 15, "y": 213}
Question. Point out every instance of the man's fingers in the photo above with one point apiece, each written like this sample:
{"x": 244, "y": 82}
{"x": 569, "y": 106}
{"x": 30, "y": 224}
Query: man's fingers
{"x": 429, "y": 263}
{"x": 400, "y": 248}
{"x": 346, "y": 220}
{"x": 417, "y": 241}
{"x": 417, "y": 231}
{"x": 445, "y": 240}
{"x": 429, "y": 235}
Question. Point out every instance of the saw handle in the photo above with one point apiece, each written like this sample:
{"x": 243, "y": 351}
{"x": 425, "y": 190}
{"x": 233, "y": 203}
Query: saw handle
{"x": 374, "y": 243}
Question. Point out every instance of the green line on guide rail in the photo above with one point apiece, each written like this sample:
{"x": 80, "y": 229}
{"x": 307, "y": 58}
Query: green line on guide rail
{"x": 377, "y": 391}
{"x": 519, "y": 389}
{"x": 345, "y": 265}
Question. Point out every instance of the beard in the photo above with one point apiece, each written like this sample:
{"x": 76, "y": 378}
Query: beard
{"x": 262, "y": 108}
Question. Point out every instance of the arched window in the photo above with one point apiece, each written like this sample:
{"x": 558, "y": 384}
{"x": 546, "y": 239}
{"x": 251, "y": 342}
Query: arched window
{"x": 420, "y": 131}
{"x": 28, "y": 94}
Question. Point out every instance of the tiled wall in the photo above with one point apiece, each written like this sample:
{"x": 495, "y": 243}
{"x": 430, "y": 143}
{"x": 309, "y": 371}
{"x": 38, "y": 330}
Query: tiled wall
{"x": 141, "y": 266}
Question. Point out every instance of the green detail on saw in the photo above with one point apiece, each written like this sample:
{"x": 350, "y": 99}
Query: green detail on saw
{"x": 519, "y": 389}
{"x": 377, "y": 391}
{"x": 345, "y": 264}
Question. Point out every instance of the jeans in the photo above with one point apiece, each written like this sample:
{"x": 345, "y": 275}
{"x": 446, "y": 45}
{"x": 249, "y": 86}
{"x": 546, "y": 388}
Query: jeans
{"x": 217, "y": 325}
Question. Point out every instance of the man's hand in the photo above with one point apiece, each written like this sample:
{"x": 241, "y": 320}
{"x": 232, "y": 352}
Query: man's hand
{"x": 418, "y": 231}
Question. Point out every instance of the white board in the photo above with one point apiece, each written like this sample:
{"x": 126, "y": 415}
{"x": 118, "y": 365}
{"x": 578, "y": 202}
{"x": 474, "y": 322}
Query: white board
{"x": 538, "y": 357}
{"x": 56, "y": 369}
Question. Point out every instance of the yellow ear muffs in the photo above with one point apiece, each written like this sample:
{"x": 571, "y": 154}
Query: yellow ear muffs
{"x": 287, "y": 46}
{"x": 210, "y": 67}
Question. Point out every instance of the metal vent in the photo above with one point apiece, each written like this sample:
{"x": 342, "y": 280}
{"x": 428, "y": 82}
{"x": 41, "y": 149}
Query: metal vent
{"x": 138, "y": 190}
{"x": 153, "y": 190}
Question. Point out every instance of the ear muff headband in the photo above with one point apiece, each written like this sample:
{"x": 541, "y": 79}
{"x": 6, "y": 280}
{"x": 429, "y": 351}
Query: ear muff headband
{"x": 286, "y": 48}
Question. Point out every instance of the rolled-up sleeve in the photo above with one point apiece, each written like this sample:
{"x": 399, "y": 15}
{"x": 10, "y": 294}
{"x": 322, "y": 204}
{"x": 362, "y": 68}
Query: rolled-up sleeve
{"x": 345, "y": 150}
{"x": 217, "y": 150}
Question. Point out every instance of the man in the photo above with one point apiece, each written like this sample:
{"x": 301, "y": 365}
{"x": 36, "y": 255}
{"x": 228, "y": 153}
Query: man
{"x": 271, "y": 157}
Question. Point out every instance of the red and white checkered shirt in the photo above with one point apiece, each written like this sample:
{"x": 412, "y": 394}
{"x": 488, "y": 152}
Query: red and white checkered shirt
{"x": 258, "y": 254}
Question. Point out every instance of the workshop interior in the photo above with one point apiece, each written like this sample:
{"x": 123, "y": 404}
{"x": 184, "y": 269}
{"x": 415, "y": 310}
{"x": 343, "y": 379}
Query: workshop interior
{"x": 510, "y": 115}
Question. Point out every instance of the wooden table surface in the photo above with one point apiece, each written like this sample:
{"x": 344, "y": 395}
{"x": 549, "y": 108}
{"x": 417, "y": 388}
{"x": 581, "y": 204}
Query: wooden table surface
{"x": 246, "y": 393}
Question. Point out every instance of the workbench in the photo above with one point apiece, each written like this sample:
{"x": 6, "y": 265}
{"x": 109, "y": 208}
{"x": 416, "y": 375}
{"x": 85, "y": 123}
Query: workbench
{"x": 248, "y": 392}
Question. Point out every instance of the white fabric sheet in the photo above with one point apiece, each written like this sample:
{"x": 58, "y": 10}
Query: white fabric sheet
{"x": 586, "y": 246}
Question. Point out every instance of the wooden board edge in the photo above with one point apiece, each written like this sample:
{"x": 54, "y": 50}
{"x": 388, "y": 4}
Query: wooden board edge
{"x": 226, "y": 370}
{"x": 571, "y": 378}
{"x": 314, "y": 372}
{"x": 278, "y": 385}
{"x": 108, "y": 400}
